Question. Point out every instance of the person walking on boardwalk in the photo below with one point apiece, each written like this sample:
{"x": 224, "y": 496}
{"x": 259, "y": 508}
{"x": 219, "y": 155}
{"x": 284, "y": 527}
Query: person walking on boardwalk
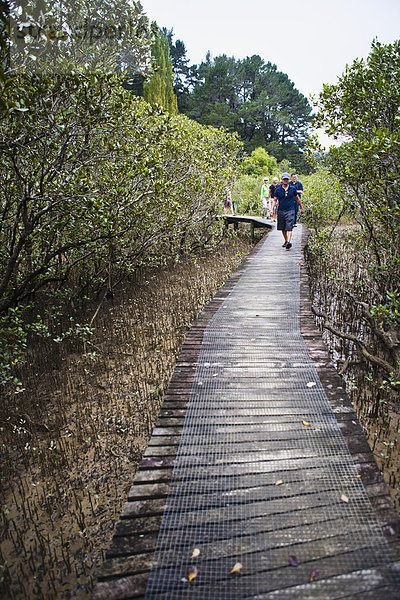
{"x": 272, "y": 189}
{"x": 299, "y": 187}
{"x": 287, "y": 196}
{"x": 264, "y": 195}
{"x": 228, "y": 199}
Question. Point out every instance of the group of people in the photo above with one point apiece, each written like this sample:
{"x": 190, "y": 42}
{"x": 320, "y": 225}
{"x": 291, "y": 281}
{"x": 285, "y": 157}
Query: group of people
{"x": 282, "y": 203}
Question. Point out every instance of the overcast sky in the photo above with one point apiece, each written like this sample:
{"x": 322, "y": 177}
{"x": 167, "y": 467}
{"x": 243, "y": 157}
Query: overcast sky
{"x": 309, "y": 40}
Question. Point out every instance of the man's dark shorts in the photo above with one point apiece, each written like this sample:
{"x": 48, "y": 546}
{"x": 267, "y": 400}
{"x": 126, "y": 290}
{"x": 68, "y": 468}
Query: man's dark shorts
{"x": 285, "y": 220}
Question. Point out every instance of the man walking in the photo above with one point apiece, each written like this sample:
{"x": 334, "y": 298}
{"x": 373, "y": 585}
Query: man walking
{"x": 286, "y": 196}
{"x": 299, "y": 187}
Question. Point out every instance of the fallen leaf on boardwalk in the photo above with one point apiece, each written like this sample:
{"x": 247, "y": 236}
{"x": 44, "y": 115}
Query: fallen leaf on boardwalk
{"x": 306, "y": 424}
{"x": 344, "y": 498}
{"x": 237, "y": 568}
{"x": 215, "y": 374}
{"x": 279, "y": 482}
{"x": 311, "y": 384}
{"x": 293, "y": 561}
{"x": 195, "y": 553}
{"x": 192, "y": 573}
{"x": 313, "y": 574}
{"x": 389, "y": 530}
{"x": 358, "y": 476}
{"x": 152, "y": 462}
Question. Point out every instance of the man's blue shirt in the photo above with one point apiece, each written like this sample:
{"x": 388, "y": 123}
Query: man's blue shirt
{"x": 286, "y": 198}
{"x": 298, "y": 185}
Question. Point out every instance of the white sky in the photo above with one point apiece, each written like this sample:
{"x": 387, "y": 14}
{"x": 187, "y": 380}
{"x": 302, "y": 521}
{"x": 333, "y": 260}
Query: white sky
{"x": 309, "y": 40}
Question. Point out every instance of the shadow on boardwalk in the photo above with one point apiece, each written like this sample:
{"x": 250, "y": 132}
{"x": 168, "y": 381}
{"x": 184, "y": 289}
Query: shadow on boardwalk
{"x": 257, "y": 459}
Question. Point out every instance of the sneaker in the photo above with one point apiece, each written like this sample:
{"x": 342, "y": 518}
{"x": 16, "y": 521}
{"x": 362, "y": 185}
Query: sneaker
{"x": 288, "y": 246}
{"x": 284, "y": 245}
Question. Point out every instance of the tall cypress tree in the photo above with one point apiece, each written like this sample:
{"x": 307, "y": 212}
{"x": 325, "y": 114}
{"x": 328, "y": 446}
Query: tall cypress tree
{"x": 160, "y": 90}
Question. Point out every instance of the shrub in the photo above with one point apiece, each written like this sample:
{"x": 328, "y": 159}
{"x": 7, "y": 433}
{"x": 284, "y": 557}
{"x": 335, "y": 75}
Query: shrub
{"x": 323, "y": 199}
{"x": 260, "y": 163}
{"x": 95, "y": 183}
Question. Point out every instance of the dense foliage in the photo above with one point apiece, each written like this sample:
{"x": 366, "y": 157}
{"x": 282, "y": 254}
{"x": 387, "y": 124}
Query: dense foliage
{"x": 260, "y": 163}
{"x": 64, "y": 36}
{"x": 94, "y": 182}
{"x": 324, "y": 199}
{"x": 363, "y": 109}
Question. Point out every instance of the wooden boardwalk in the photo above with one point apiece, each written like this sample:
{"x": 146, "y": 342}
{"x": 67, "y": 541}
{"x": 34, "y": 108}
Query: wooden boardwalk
{"x": 257, "y": 458}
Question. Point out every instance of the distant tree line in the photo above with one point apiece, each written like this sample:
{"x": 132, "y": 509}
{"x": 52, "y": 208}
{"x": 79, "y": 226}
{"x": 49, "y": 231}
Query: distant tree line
{"x": 248, "y": 96}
